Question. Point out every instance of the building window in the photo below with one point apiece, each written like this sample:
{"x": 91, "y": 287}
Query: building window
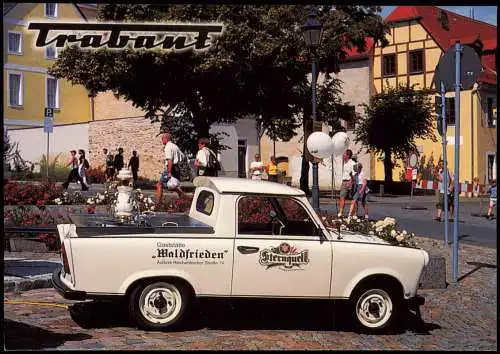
{"x": 450, "y": 109}
{"x": 51, "y": 10}
{"x": 416, "y": 62}
{"x": 15, "y": 43}
{"x": 52, "y": 90}
{"x": 51, "y": 52}
{"x": 15, "y": 89}
{"x": 490, "y": 109}
{"x": 349, "y": 123}
{"x": 389, "y": 65}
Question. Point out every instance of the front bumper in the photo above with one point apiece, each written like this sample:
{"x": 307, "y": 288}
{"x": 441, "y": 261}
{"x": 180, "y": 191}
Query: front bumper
{"x": 415, "y": 302}
{"x": 63, "y": 290}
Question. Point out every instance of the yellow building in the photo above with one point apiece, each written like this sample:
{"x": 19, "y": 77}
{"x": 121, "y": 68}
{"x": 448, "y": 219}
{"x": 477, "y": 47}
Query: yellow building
{"x": 419, "y": 36}
{"x": 28, "y": 87}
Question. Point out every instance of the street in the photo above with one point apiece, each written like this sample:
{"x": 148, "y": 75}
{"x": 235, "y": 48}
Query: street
{"x": 472, "y": 229}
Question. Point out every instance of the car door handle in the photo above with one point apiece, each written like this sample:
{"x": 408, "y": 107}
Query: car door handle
{"x": 247, "y": 249}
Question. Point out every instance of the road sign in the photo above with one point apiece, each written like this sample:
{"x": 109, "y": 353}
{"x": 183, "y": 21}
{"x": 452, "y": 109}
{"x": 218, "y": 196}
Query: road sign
{"x": 48, "y": 125}
{"x": 413, "y": 160}
{"x": 445, "y": 71}
{"x": 48, "y": 112}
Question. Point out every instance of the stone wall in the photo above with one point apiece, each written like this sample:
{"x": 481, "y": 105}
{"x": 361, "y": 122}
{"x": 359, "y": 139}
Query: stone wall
{"x": 130, "y": 134}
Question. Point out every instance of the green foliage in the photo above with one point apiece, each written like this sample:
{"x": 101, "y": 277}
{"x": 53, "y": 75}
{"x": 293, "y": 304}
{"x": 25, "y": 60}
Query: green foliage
{"x": 393, "y": 120}
{"x": 250, "y": 70}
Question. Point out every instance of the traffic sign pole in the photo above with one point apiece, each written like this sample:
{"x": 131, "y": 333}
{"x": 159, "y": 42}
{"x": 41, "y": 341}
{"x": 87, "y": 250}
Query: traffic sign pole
{"x": 445, "y": 164}
{"x": 458, "y": 49}
{"x": 48, "y": 127}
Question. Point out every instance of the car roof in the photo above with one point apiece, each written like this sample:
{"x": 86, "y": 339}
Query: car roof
{"x": 230, "y": 185}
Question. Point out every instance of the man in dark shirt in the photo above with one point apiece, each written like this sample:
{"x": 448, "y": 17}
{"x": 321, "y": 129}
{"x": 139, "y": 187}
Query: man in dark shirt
{"x": 134, "y": 164}
{"x": 119, "y": 161}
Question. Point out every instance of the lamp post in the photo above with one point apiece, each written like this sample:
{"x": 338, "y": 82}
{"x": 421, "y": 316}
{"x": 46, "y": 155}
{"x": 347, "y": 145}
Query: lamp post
{"x": 311, "y": 31}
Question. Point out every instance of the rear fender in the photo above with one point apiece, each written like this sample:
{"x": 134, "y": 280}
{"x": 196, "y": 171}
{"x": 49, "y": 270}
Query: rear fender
{"x": 157, "y": 273}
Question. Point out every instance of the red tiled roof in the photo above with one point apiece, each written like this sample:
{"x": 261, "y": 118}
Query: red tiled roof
{"x": 460, "y": 28}
{"x": 354, "y": 53}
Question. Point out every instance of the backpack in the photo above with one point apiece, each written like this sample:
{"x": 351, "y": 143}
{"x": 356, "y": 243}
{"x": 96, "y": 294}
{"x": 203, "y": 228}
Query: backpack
{"x": 184, "y": 168}
{"x": 212, "y": 163}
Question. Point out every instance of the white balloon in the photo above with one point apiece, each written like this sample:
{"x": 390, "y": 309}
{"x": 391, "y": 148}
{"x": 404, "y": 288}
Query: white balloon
{"x": 340, "y": 143}
{"x": 320, "y": 145}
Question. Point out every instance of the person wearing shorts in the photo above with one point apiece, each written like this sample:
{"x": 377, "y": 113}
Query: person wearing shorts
{"x": 492, "y": 191}
{"x": 360, "y": 191}
{"x": 173, "y": 156}
{"x": 347, "y": 180}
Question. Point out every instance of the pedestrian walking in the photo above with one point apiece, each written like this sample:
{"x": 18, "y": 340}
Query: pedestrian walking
{"x": 83, "y": 166}
{"x": 133, "y": 164}
{"x": 272, "y": 170}
{"x": 104, "y": 157}
{"x": 118, "y": 163}
{"x": 439, "y": 175}
{"x": 171, "y": 174}
{"x": 110, "y": 167}
{"x": 256, "y": 169}
{"x": 73, "y": 173}
{"x": 206, "y": 161}
{"x": 492, "y": 191}
{"x": 347, "y": 180}
{"x": 360, "y": 190}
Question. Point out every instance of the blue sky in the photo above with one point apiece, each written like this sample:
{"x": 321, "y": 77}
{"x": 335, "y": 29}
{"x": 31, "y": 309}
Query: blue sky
{"x": 481, "y": 13}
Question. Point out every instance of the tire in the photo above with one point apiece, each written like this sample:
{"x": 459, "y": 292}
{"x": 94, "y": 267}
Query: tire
{"x": 159, "y": 305}
{"x": 375, "y": 308}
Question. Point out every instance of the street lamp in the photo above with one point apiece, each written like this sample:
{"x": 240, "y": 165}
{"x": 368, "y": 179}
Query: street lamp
{"x": 311, "y": 31}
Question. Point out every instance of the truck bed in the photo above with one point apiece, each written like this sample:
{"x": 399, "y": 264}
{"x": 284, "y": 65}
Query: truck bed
{"x": 89, "y": 225}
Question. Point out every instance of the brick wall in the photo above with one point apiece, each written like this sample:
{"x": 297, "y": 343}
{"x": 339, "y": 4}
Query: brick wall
{"x": 130, "y": 134}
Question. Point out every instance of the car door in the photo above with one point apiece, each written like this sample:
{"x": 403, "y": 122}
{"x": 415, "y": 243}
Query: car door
{"x": 278, "y": 252}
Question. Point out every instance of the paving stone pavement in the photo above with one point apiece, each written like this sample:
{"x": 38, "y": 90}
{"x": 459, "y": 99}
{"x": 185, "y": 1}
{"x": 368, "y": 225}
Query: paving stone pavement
{"x": 461, "y": 317}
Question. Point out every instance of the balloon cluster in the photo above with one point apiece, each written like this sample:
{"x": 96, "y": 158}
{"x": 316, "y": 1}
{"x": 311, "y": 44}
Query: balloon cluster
{"x": 321, "y": 146}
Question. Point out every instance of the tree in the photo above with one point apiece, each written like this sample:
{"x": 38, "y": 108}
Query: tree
{"x": 393, "y": 120}
{"x": 250, "y": 70}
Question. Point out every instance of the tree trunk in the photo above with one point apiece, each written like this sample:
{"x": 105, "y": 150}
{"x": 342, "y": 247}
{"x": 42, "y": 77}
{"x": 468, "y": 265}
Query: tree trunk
{"x": 387, "y": 169}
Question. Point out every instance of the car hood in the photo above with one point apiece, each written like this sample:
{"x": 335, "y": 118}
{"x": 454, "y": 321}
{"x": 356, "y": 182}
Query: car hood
{"x": 348, "y": 236}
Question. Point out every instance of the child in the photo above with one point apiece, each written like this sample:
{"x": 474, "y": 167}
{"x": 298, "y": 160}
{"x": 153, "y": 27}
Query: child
{"x": 492, "y": 191}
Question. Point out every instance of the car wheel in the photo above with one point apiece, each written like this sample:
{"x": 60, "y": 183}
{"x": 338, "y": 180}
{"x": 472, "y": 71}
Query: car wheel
{"x": 159, "y": 305}
{"x": 375, "y": 309}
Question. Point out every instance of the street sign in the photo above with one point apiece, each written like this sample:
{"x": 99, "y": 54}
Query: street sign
{"x": 48, "y": 123}
{"x": 413, "y": 160}
{"x": 48, "y": 112}
{"x": 445, "y": 71}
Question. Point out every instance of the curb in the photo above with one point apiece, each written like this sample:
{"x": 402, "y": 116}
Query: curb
{"x": 18, "y": 286}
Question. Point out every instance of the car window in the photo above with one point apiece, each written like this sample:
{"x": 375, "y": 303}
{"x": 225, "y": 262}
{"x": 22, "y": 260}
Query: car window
{"x": 205, "y": 202}
{"x": 254, "y": 215}
{"x": 290, "y": 217}
{"x": 295, "y": 218}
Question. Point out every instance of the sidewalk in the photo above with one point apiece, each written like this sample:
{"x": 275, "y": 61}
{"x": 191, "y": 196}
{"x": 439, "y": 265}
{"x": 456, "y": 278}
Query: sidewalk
{"x": 29, "y": 270}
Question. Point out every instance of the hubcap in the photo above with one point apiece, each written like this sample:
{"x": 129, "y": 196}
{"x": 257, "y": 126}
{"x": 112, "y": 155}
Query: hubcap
{"x": 374, "y": 308}
{"x": 160, "y": 303}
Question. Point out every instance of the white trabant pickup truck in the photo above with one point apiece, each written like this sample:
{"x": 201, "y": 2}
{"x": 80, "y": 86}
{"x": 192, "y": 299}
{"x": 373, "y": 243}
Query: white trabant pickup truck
{"x": 241, "y": 238}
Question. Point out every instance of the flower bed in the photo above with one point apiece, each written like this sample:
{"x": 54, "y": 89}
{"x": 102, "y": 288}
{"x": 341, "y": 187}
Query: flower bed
{"x": 16, "y": 193}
